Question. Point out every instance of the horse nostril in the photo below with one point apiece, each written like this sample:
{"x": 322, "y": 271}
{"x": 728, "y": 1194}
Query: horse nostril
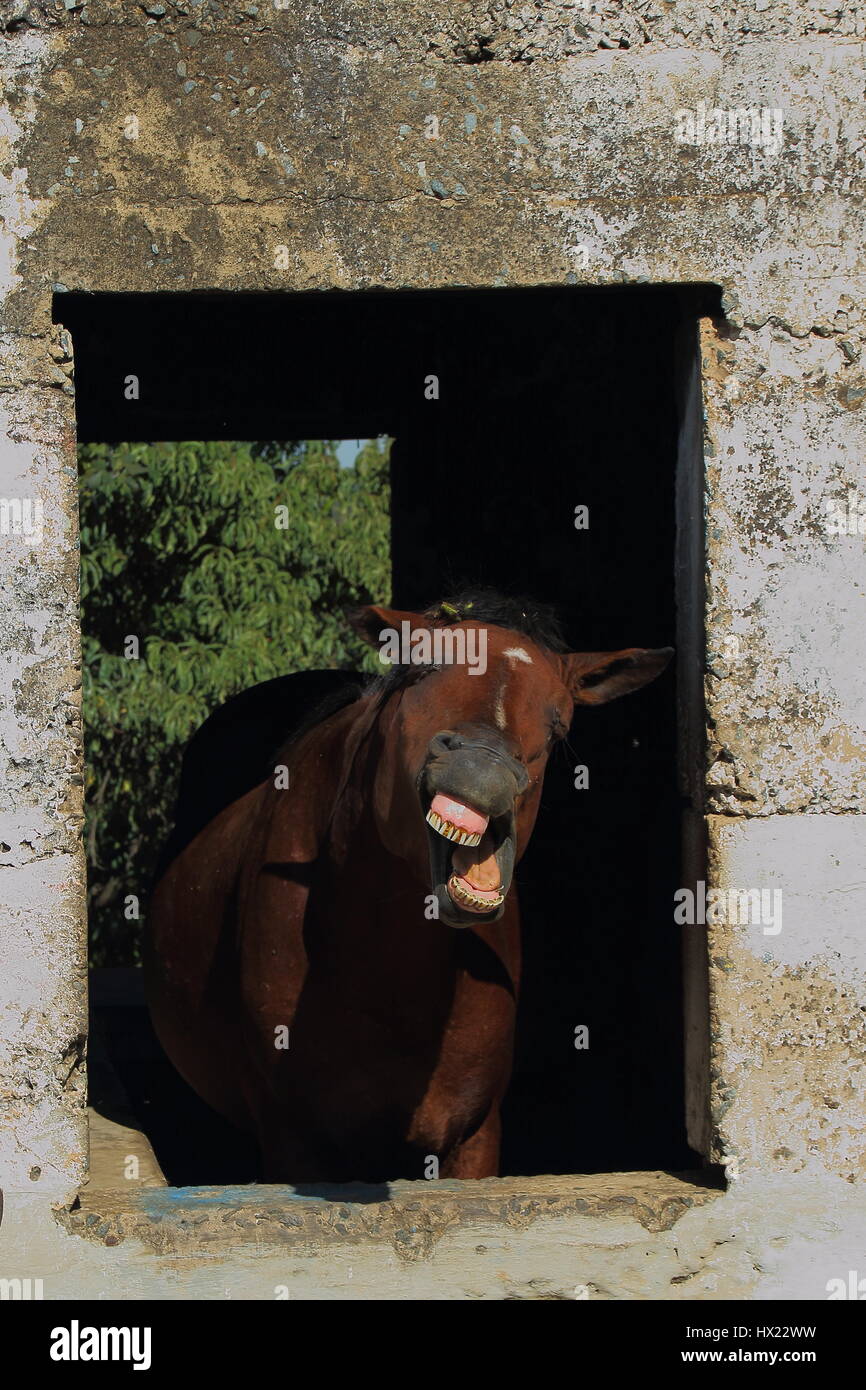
{"x": 447, "y": 741}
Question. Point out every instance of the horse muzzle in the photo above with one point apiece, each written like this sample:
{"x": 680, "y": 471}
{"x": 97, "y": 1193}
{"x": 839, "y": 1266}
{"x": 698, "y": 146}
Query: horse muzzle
{"x": 468, "y": 788}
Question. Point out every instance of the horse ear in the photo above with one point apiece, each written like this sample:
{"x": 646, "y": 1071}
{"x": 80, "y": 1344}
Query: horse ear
{"x": 370, "y": 622}
{"x": 593, "y": 678}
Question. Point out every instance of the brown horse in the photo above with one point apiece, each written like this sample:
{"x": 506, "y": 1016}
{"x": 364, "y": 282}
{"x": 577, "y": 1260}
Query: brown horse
{"x": 303, "y": 968}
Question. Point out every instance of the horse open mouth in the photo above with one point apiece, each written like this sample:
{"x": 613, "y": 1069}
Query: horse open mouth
{"x": 471, "y": 859}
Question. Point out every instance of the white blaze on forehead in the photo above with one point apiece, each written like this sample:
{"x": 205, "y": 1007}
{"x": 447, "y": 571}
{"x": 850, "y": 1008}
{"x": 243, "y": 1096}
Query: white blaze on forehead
{"x": 499, "y": 699}
{"x": 512, "y": 654}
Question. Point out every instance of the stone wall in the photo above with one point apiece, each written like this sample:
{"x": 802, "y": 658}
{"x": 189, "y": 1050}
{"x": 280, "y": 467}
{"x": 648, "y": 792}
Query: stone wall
{"x": 177, "y": 147}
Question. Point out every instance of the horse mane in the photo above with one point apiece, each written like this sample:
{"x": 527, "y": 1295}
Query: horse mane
{"x": 537, "y": 621}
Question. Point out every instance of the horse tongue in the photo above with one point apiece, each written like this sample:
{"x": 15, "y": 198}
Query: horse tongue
{"x": 476, "y": 866}
{"x": 459, "y": 814}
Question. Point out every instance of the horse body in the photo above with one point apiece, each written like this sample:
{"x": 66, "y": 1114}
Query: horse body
{"x": 338, "y": 977}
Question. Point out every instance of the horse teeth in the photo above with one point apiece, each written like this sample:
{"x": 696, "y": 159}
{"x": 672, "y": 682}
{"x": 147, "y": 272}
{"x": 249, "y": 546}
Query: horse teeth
{"x": 457, "y": 888}
{"x": 452, "y": 832}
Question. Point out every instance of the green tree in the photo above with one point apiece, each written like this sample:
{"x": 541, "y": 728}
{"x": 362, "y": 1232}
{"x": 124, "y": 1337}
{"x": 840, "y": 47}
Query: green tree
{"x": 227, "y": 564}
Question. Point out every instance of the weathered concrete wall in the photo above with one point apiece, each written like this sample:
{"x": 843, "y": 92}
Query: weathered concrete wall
{"x": 593, "y": 1240}
{"x": 619, "y": 1236}
{"x": 200, "y": 145}
{"x": 43, "y": 991}
{"x": 786, "y": 708}
{"x": 787, "y": 1008}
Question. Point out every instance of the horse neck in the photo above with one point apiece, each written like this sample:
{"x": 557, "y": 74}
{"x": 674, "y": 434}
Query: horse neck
{"x": 361, "y": 753}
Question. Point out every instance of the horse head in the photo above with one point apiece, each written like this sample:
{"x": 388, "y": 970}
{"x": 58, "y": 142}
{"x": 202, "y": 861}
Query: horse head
{"x": 480, "y": 694}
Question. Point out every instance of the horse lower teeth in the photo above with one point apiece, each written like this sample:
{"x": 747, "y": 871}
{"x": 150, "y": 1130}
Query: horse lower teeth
{"x": 462, "y": 894}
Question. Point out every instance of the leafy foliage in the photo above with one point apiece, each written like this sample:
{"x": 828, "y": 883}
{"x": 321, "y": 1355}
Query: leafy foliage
{"x": 229, "y": 563}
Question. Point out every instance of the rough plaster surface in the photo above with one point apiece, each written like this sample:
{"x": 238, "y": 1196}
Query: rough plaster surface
{"x": 43, "y": 982}
{"x": 786, "y": 692}
{"x": 554, "y": 1238}
{"x": 200, "y": 145}
{"x": 788, "y": 1008}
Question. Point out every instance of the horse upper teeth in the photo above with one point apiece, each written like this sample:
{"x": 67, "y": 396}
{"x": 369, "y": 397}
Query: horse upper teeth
{"x": 452, "y": 832}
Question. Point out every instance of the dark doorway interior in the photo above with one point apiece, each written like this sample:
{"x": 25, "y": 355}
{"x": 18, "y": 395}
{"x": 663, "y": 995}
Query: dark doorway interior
{"x": 548, "y": 399}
